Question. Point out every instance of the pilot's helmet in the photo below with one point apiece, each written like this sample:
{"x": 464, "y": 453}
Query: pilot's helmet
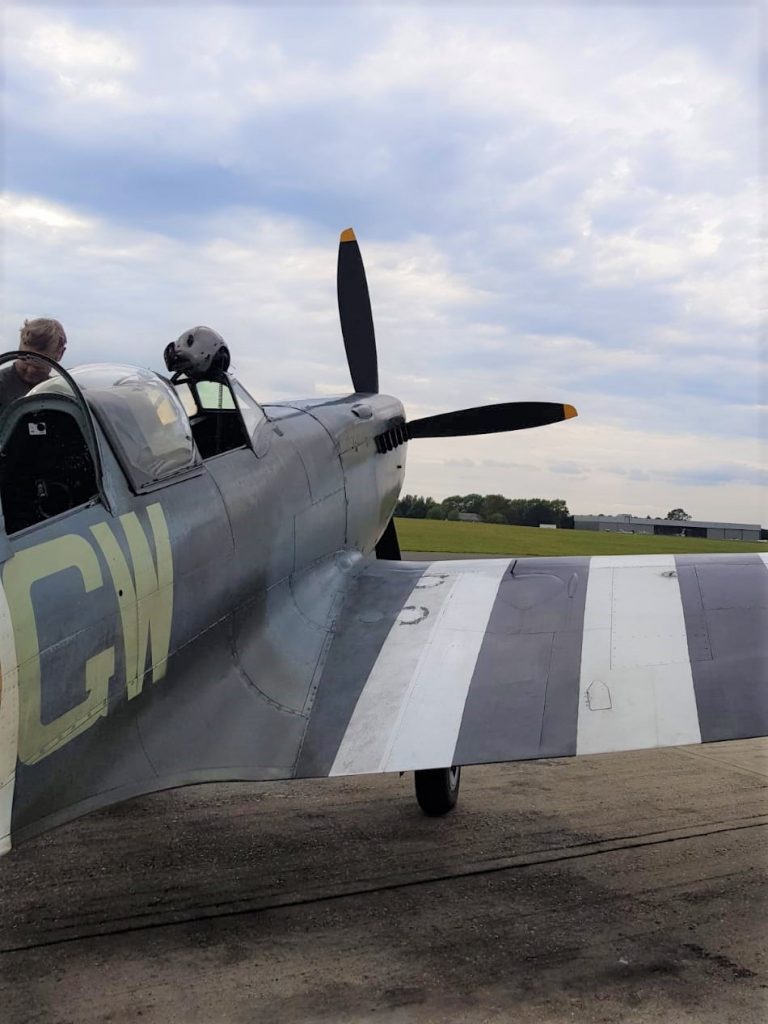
{"x": 199, "y": 352}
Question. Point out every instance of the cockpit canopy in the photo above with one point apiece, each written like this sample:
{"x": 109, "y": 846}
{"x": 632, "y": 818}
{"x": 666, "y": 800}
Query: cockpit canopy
{"x": 158, "y": 430}
{"x": 142, "y": 416}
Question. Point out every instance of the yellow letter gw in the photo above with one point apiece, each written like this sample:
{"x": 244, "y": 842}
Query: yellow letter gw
{"x": 145, "y": 600}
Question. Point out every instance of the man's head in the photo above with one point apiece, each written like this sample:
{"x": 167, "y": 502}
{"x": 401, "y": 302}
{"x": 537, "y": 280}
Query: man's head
{"x": 43, "y": 337}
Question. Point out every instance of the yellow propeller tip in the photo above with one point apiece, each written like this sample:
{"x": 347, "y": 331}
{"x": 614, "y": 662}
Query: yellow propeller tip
{"x": 569, "y": 411}
{"x": 347, "y": 235}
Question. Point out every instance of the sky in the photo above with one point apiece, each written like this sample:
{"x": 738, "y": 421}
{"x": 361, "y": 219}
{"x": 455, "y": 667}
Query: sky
{"x": 554, "y": 202}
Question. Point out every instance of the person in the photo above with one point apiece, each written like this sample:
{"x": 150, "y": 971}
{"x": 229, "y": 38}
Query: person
{"x": 42, "y": 336}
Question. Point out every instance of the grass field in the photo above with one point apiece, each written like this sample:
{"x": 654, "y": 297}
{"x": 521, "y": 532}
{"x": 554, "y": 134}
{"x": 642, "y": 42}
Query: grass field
{"x": 487, "y": 539}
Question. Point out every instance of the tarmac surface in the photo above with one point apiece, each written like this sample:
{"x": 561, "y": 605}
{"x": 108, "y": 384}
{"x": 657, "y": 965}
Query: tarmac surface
{"x": 625, "y": 888}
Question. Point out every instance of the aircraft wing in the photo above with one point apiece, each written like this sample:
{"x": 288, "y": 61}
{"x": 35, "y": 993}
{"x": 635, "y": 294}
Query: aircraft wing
{"x": 476, "y": 661}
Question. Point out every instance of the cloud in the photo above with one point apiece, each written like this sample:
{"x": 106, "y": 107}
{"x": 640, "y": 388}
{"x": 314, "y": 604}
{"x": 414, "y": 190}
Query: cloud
{"x": 262, "y": 280}
{"x": 37, "y": 217}
{"x": 61, "y": 61}
{"x": 64, "y": 52}
{"x": 568, "y": 469}
{"x": 707, "y": 476}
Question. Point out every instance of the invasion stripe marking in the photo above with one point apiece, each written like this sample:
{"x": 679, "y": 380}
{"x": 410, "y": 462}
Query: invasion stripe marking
{"x": 409, "y": 713}
{"x": 523, "y": 701}
{"x": 636, "y": 685}
{"x": 371, "y": 609}
{"x": 430, "y": 722}
{"x": 725, "y": 602}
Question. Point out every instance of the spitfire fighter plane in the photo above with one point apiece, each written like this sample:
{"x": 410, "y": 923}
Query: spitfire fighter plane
{"x": 199, "y": 588}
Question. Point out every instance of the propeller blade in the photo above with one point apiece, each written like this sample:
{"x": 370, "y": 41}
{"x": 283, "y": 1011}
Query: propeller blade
{"x": 355, "y": 315}
{"x": 490, "y": 419}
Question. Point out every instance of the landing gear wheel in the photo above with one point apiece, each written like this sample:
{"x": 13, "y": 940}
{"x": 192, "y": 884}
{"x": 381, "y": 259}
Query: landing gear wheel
{"x": 437, "y": 789}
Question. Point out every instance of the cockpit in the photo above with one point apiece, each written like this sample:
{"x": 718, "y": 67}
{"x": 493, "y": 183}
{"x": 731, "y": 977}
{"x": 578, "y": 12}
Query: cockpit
{"x": 158, "y": 432}
{"x": 221, "y": 413}
{"x": 46, "y": 464}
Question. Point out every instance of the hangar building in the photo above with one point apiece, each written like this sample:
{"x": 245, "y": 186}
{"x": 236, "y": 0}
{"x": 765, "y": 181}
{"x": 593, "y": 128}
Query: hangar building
{"x": 669, "y": 527}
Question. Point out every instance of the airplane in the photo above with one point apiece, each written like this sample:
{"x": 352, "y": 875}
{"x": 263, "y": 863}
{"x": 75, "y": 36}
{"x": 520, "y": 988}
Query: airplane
{"x": 197, "y": 588}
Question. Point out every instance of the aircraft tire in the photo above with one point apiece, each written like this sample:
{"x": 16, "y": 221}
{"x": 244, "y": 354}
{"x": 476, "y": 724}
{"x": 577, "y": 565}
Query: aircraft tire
{"x": 437, "y": 789}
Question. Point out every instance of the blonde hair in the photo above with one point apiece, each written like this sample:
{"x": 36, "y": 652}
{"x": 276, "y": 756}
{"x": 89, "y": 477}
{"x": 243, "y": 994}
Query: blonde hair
{"x": 42, "y": 333}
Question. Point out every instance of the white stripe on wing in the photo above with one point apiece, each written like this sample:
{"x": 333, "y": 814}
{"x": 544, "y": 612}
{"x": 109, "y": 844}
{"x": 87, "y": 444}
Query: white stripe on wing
{"x": 636, "y": 686}
{"x": 409, "y": 712}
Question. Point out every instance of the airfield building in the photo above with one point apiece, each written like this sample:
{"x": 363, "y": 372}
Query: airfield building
{"x": 669, "y": 527}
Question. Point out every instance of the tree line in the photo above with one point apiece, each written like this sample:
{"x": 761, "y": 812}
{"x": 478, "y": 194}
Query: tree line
{"x": 491, "y": 508}
{"x": 495, "y": 508}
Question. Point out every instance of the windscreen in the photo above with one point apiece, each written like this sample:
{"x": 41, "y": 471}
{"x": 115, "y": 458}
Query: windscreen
{"x": 143, "y": 418}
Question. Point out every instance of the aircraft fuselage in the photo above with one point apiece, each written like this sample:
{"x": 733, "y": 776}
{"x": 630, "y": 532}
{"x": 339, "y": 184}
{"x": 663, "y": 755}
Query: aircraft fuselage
{"x": 128, "y": 631}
